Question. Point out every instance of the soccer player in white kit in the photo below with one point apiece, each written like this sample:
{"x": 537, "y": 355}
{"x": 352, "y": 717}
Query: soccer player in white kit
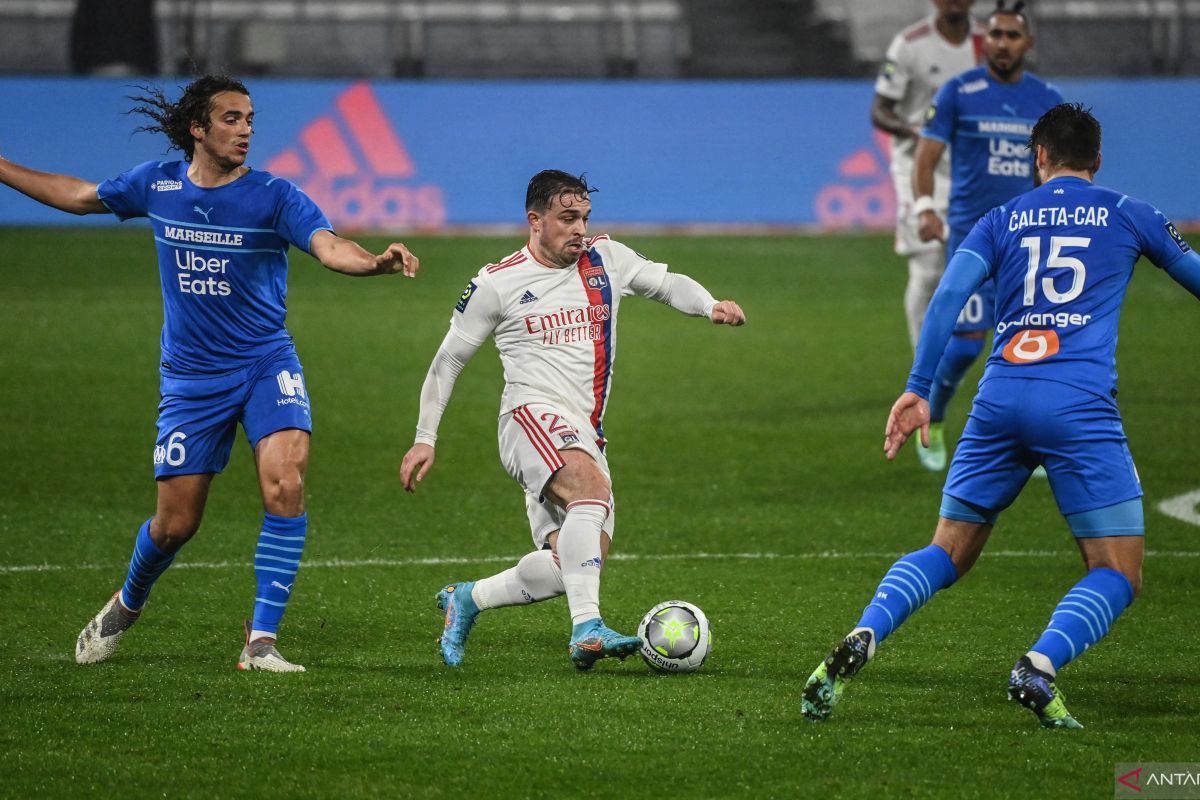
{"x": 552, "y": 310}
{"x": 919, "y": 60}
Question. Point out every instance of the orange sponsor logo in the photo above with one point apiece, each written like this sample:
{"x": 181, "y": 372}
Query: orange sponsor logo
{"x": 1030, "y": 346}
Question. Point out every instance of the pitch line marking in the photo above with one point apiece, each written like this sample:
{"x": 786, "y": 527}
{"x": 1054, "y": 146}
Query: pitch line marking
{"x": 1182, "y": 507}
{"x": 349, "y": 563}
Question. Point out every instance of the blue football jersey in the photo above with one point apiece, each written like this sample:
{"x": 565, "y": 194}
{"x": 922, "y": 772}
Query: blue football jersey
{"x": 1062, "y": 256}
{"x": 986, "y": 124}
{"x": 222, "y": 257}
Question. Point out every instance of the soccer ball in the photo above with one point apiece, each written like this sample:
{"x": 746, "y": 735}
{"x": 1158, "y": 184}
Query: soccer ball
{"x": 675, "y": 637}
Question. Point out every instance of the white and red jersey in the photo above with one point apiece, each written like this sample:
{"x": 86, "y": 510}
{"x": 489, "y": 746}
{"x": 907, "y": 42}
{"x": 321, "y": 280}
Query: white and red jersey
{"x": 556, "y": 328}
{"x": 918, "y": 62}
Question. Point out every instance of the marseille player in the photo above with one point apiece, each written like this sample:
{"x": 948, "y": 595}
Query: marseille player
{"x": 984, "y": 117}
{"x": 919, "y": 59}
{"x": 551, "y": 308}
{"x": 222, "y": 231}
{"x": 1061, "y": 257}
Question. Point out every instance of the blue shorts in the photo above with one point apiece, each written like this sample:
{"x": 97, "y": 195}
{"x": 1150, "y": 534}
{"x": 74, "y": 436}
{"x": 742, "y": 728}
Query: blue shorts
{"x": 198, "y": 416}
{"x": 979, "y": 312}
{"x": 1016, "y": 424}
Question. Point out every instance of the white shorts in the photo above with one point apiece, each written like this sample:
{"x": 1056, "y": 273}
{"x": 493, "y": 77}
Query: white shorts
{"x": 531, "y": 437}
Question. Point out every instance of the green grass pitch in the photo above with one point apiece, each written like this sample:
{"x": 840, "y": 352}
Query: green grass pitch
{"x": 750, "y": 480}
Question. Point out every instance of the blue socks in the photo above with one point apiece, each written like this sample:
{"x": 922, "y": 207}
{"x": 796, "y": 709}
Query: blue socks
{"x": 280, "y": 545}
{"x": 907, "y": 586}
{"x": 959, "y": 355}
{"x": 147, "y": 563}
{"x": 1084, "y": 615}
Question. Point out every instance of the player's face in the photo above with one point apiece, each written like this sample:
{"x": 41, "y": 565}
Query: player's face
{"x": 953, "y": 10}
{"x": 230, "y": 126}
{"x": 559, "y": 231}
{"x": 1005, "y": 45}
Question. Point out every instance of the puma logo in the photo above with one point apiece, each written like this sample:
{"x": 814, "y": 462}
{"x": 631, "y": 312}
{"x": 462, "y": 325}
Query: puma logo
{"x": 287, "y": 588}
{"x": 202, "y": 213}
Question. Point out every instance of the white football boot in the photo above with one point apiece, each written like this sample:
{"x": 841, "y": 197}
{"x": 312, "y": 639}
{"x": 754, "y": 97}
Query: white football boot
{"x": 262, "y": 655}
{"x": 99, "y": 638}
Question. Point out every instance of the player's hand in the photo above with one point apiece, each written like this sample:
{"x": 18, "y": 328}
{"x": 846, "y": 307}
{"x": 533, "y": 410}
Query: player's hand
{"x": 397, "y": 258}
{"x": 930, "y": 227}
{"x": 417, "y": 462}
{"x": 728, "y": 312}
{"x": 909, "y": 413}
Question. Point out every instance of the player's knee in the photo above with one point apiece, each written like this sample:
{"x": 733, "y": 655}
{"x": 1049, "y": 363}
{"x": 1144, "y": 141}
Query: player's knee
{"x": 283, "y": 494}
{"x": 171, "y": 530}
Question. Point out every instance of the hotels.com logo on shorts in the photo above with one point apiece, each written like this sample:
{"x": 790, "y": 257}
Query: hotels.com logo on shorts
{"x": 354, "y": 165}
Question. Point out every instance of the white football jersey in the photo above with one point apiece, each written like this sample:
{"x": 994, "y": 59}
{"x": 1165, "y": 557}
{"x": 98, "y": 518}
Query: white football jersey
{"x": 918, "y": 62}
{"x": 556, "y": 328}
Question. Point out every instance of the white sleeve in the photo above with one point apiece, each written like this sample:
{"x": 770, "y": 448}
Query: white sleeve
{"x": 895, "y": 71}
{"x": 475, "y": 317}
{"x": 683, "y": 294}
{"x": 448, "y": 362}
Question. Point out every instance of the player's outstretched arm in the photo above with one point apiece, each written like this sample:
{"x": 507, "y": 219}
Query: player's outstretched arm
{"x": 728, "y": 312}
{"x": 349, "y": 258}
{"x": 910, "y": 412}
{"x": 415, "y": 465}
{"x": 63, "y": 192}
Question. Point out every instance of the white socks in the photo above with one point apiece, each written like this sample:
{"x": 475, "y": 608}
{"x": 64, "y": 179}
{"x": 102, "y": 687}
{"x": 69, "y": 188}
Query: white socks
{"x": 924, "y": 271}
{"x": 579, "y": 557}
{"x": 535, "y": 577}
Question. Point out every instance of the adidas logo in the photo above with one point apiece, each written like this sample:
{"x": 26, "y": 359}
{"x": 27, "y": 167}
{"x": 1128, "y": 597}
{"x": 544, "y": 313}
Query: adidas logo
{"x": 354, "y": 165}
{"x": 528, "y": 297}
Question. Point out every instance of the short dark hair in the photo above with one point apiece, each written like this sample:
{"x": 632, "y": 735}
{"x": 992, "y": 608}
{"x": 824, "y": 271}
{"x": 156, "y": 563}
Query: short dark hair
{"x": 551, "y": 183}
{"x": 1071, "y": 136}
{"x": 1016, "y": 10}
{"x": 175, "y": 119}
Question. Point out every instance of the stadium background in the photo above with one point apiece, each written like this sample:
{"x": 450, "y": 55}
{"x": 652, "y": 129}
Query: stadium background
{"x": 754, "y": 487}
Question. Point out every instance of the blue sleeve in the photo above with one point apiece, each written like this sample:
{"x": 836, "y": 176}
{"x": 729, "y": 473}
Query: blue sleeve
{"x": 298, "y": 218}
{"x": 970, "y": 266}
{"x": 126, "y": 194}
{"x": 939, "y": 121}
{"x": 1186, "y": 272}
{"x": 1160, "y": 241}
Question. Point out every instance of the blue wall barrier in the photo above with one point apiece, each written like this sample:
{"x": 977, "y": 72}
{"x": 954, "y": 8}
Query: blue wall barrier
{"x": 432, "y": 154}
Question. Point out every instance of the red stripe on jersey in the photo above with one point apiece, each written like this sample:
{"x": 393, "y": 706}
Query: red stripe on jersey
{"x": 539, "y": 439}
{"x": 599, "y": 237}
{"x": 600, "y": 370}
{"x": 917, "y": 31}
{"x": 506, "y": 264}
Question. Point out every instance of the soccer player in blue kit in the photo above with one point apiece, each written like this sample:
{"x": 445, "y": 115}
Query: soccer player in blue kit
{"x": 984, "y": 116}
{"x": 1061, "y": 257}
{"x": 222, "y": 231}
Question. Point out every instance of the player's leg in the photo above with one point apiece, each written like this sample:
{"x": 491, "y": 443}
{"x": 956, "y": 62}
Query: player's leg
{"x": 176, "y": 519}
{"x": 582, "y": 489}
{"x": 1088, "y": 456}
{"x": 196, "y": 426}
{"x": 908, "y": 585}
{"x": 924, "y": 271}
{"x": 536, "y": 577}
{"x": 988, "y": 471}
{"x": 278, "y": 422}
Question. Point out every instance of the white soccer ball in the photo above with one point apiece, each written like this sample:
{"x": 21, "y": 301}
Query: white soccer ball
{"x": 675, "y": 637}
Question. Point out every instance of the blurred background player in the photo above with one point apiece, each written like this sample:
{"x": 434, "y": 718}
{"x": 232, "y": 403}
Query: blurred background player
{"x": 1061, "y": 257}
{"x": 984, "y": 117}
{"x": 552, "y": 309}
{"x": 222, "y": 232}
{"x": 920, "y": 58}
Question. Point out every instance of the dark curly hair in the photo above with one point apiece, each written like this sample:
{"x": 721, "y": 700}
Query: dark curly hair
{"x": 175, "y": 119}
{"x": 1071, "y": 136}
{"x": 551, "y": 183}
